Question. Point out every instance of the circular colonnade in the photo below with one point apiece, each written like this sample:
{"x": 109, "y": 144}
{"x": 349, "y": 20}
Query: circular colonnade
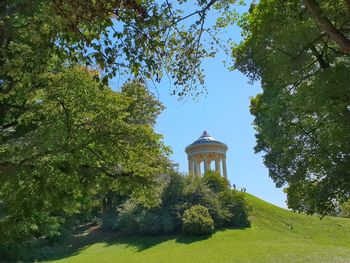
{"x": 208, "y": 150}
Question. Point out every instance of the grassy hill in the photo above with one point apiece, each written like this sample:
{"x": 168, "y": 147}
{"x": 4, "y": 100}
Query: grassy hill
{"x": 276, "y": 235}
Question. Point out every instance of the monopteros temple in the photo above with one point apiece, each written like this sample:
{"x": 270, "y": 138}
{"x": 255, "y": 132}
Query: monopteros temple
{"x": 207, "y": 150}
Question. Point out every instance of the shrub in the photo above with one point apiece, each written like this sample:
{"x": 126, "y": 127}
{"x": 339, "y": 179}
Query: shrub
{"x": 109, "y": 221}
{"x": 156, "y": 222}
{"x": 109, "y": 214}
{"x": 173, "y": 191}
{"x": 136, "y": 219}
{"x": 235, "y": 209}
{"x": 345, "y": 209}
{"x": 197, "y": 221}
{"x": 178, "y": 209}
{"x": 216, "y": 182}
{"x": 197, "y": 192}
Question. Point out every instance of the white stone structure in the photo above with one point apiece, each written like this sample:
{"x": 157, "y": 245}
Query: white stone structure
{"x": 206, "y": 149}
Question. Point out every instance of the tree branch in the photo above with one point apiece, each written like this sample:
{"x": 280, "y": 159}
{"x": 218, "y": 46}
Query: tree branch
{"x": 199, "y": 12}
{"x": 320, "y": 59}
{"x": 327, "y": 26}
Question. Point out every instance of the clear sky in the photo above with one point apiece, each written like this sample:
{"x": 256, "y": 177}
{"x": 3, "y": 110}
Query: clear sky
{"x": 224, "y": 113}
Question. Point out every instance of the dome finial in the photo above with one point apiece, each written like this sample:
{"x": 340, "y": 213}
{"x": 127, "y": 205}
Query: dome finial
{"x": 205, "y": 134}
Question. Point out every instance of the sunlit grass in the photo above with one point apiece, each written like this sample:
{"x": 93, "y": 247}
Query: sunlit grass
{"x": 276, "y": 235}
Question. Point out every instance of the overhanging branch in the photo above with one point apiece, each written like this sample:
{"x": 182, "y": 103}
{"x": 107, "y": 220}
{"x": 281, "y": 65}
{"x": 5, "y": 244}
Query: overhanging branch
{"x": 325, "y": 24}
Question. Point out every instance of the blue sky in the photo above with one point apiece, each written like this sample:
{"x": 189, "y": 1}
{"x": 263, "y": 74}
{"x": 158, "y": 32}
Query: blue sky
{"x": 224, "y": 113}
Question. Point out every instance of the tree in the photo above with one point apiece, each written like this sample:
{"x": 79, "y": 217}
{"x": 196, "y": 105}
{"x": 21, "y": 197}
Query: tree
{"x": 327, "y": 26}
{"x": 216, "y": 182}
{"x": 76, "y": 140}
{"x": 302, "y": 117}
{"x": 235, "y": 209}
{"x": 143, "y": 38}
{"x": 67, "y": 138}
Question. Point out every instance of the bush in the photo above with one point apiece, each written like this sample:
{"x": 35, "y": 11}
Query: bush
{"x": 180, "y": 198}
{"x": 197, "y": 192}
{"x": 345, "y": 209}
{"x": 173, "y": 191}
{"x": 216, "y": 182}
{"x": 197, "y": 221}
{"x": 235, "y": 209}
{"x": 109, "y": 221}
{"x": 136, "y": 219}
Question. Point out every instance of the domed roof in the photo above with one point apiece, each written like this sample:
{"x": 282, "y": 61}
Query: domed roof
{"x": 205, "y": 138}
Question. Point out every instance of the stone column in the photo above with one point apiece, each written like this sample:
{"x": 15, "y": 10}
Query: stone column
{"x": 189, "y": 166}
{"x": 192, "y": 169}
{"x": 205, "y": 163}
{"x": 196, "y": 167}
{"x": 224, "y": 171}
{"x": 217, "y": 164}
{"x": 198, "y": 163}
{"x": 209, "y": 164}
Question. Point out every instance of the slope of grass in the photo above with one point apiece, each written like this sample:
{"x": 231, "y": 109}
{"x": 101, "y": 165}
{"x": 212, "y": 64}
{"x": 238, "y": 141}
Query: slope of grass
{"x": 276, "y": 235}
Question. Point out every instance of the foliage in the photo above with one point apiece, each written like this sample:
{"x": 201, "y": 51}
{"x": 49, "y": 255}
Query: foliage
{"x": 235, "y": 209}
{"x": 135, "y": 219}
{"x": 197, "y": 192}
{"x": 178, "y": 194}
{"x": 310, "y": 240}
{"x": 302, "y": 117}
{"x": 216, "y": 182}
{"x": 197, "y": 221}
{"x": 75, "y": 141}
{"x": 68, "y": 140}
{"x": 172, "y": 194}
{"x": 130, "y": 216}
{"x": 141, "y": 38}
{"x": 345, "y": 209}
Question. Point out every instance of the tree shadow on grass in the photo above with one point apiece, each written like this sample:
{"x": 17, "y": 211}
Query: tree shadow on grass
{"x": 76, "y": 244}
{"x": 191, "y": 239}
{"x": 82, "y": 241}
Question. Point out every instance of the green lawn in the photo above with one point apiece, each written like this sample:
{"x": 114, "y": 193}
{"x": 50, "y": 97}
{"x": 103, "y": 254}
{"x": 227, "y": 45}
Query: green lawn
{"x": 276, "y": 235}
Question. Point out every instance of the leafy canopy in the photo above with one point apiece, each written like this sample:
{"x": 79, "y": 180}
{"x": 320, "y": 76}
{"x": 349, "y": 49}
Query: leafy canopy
{"x": 144, "y": 39}
{"x": 302, "y": 117}
{"x": 75, "y": 141}
{"x": 67, "y": 139}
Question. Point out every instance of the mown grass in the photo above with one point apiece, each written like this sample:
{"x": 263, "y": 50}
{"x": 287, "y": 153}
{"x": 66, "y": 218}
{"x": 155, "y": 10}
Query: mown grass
{"x": 275, "y": 235}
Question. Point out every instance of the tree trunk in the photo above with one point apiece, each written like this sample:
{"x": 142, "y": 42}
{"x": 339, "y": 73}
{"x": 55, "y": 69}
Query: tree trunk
{"x": 327, "y": 26}
{"x": 347, "y": 2}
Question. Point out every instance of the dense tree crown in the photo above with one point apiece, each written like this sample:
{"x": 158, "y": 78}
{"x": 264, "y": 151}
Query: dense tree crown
{"x": 144, "y": 38}
{"x": 67, "y": 139}
{"x": 302, "y": 117}
{"x": 76, "y": 141}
